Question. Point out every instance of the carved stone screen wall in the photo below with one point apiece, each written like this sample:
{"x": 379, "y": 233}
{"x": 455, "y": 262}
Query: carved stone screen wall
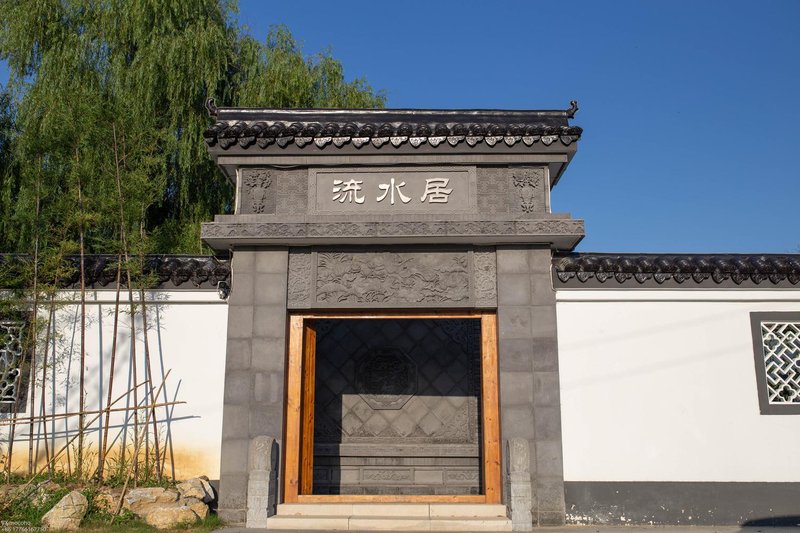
{"x": 397, "y": 407}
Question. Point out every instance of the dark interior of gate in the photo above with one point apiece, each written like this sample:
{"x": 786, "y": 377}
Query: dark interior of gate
{"x": 397, "y": 407}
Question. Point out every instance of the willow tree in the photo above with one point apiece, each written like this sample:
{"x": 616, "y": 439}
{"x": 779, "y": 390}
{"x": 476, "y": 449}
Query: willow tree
{"x": 83, "y": 74}
{"x": 101, "y": 146}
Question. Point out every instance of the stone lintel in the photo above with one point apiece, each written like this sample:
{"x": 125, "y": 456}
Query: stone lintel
{"x": 561, "y": 234}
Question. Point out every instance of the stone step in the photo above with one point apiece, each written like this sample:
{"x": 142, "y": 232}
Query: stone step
{"x": 390, "y": 517}
{"x": 386, "y": 523}
{"x": 402, "y": 510}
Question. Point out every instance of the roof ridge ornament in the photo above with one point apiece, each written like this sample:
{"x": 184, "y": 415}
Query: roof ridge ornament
{"x": 573, "y": 108}
{"x": 211, "y": 107}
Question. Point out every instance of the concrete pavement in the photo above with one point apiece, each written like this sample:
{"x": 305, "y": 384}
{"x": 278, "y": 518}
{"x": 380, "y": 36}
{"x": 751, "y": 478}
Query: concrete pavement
{"x": 591, "y": 529}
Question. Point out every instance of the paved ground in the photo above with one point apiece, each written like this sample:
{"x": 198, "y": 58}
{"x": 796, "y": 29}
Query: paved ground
{"x": 595, "y": 529}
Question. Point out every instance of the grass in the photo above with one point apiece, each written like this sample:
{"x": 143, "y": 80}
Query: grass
{"x": 134, "y": 525}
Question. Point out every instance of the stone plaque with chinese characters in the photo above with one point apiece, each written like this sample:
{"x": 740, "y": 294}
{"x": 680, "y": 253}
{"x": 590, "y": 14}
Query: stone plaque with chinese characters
{"x": 395, "y": 190}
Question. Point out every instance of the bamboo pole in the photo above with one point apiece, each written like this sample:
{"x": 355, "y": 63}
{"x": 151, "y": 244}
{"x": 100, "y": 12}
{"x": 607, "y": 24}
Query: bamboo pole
{"x": 130, "y": 291}
{"x": 21, "y": 492}
{"x": 135, "y": 452}
{"x": 82, "y": 383}
{"x": 149, "y": 376}
{"x": 93, "y": 412}
{"x": 44, "y": 375}
{"x": 101, "y": 460}
{"x": 32, "y": 335}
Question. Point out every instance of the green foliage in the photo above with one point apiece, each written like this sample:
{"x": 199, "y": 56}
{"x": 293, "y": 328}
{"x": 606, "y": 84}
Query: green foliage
{"x": 31, "y": 509}
{"x": 101, "y": 123}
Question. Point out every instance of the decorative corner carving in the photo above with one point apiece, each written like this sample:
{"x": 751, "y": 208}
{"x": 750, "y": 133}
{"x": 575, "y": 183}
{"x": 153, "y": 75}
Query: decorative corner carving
{"x": 256, "y": 197}
{"x": 528, "y": 190}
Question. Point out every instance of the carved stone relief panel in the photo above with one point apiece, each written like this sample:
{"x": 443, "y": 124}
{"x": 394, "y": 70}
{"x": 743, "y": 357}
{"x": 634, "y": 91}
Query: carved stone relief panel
{"x": 522, "y": 192}
{"x": 493, "y": 190}
{"x": 528, "y": 191}
{"x": 292, "y": 193}
{"x": 386, "y": 377}
{"x": 383, "y": 278}
{"x": 257, "y": 191}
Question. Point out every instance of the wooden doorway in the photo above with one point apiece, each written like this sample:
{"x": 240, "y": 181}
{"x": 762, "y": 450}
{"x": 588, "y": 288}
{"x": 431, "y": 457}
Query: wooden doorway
{"x": 298, "y": 452}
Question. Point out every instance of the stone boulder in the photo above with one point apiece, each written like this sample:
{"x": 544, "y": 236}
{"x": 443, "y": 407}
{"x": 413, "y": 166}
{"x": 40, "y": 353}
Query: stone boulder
{"x": 168, "y": 508}
{"x": 7, "y": 493}
{"x": 44, "y": 490}
{"x": 197, "y": 487}
{"x": 107, "y": 499}
{"x": 139, "y": 500}
{"x": 67, "y": 513}
{"x": 168, "y": 515}
{"x": 198, "y": 506}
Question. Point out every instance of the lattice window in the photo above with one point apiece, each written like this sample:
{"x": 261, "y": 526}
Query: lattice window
{"x": 11, "y": 359}
{"x": 776, "y": 340}
{"x": 781, "y": 341}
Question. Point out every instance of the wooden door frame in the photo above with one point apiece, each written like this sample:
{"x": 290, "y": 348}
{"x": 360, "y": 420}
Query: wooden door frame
{"x": 299, "y": 429}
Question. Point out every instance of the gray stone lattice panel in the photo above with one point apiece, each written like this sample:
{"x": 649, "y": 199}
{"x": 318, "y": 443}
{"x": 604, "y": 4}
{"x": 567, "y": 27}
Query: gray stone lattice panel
{"x": 375, "y": 425}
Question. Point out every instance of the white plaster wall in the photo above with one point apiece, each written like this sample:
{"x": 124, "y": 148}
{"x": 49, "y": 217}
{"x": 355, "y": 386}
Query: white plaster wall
{"x": 186, "y": 336}
{"x": 661, "y": 386}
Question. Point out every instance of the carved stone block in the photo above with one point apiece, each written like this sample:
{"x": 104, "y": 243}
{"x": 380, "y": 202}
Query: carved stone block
{"x": 292, "y": 192}
{"x": 257, "y": 191}
{"x": 527, "y": 191}
{"x": 518, "y": 484}
{"x": 413, "y": 278}
{"x": 262, "y": 483}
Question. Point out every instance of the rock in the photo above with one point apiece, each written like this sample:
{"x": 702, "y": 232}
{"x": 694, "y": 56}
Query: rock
{"x": 196, "y": 505}
{"x": 67, "y": 513}
{"x": 137, "y": 500}
{"x": 44, "y": 490}
{"x": 7, "y": 492}
{"x": 48, "y": 485}
{"x": 197, "y": 488}
{"x": 106, "y": 500}
{"x": 167, "y": 508}
{"x": 168, "y": 515}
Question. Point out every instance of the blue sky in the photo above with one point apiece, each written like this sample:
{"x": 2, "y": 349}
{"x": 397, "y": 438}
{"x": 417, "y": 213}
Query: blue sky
{"x": 688, "y": 108}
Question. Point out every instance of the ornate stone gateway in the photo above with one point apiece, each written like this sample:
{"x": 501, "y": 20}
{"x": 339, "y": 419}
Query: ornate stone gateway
{"x": 391, "y": 318}
{"x": 394, "y": 407}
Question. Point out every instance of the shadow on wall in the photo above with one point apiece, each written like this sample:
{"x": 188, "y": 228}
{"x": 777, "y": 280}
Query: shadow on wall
{"x": 775, "y": 521}
{"x": 138, "y": 358}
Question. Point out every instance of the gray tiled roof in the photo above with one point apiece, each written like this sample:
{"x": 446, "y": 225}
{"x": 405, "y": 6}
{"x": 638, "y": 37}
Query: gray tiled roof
{"x": 677, "y": 270}
{"x": 262, "y": 128}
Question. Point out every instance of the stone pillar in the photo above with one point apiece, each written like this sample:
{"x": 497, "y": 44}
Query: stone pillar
{"x": 262, "y": 485}
{"x": 528, "y": 363}
{"x": 254, "y": 368}
{"x": 518, "y": 486}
